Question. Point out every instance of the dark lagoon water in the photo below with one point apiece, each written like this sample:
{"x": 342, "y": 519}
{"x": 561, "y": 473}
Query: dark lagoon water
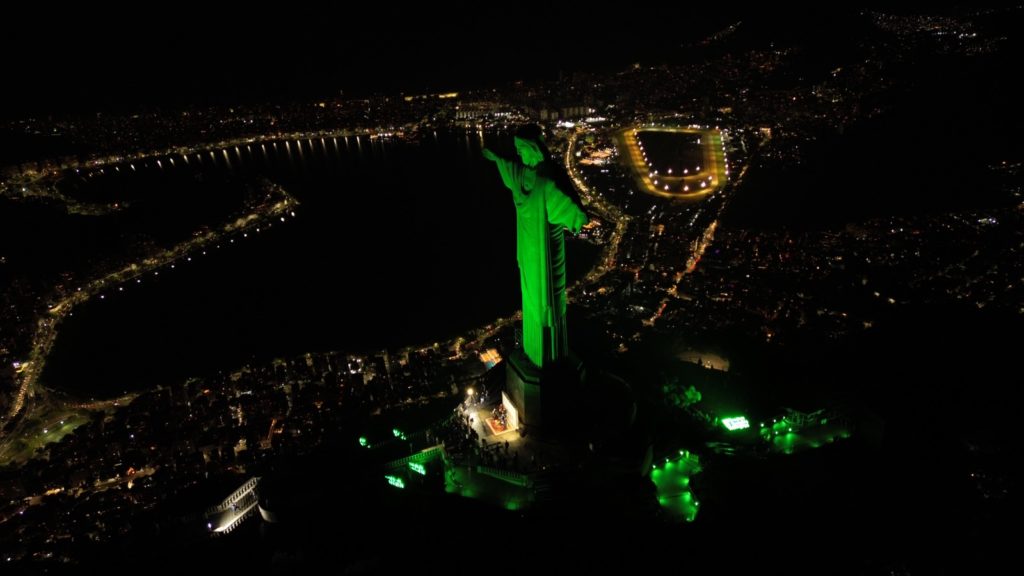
{"x": 394, "y": 243}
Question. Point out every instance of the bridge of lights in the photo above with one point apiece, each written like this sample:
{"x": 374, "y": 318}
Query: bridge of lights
{"x": 663, "y": 174}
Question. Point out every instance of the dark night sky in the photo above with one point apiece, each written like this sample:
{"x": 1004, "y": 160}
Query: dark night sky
{"x": 191, "y": 55}
{"x": 176, "y": 54}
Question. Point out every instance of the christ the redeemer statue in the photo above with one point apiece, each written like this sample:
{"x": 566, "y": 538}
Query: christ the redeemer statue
{"x": 542, "y": 213}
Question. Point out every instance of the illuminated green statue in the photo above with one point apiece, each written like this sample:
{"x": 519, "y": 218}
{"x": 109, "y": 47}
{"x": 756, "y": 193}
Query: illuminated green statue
{"x": 542, "y": 212}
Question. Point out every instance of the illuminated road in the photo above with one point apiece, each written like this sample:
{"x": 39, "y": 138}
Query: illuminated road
{"x": 697, "y": 249}
{"x": 604, "y": 209}
{"x": 31, "y": 183}
{"x": 279, "y": 203}
{"x": 118, "y": 481}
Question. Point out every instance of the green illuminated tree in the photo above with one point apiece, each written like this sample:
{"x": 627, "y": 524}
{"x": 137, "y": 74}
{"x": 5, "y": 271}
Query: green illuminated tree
{"x": 543, "y": 211}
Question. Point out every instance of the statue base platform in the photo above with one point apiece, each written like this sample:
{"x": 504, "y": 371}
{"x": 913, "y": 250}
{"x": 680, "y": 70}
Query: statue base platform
{"x": 543, "y": 396}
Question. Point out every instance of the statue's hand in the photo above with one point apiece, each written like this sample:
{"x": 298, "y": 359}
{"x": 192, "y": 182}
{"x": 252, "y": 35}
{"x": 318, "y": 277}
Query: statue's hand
{"x": 579, "y": 223}
{"x": 490, "y": 155}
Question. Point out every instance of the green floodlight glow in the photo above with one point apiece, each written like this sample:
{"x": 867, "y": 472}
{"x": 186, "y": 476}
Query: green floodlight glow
{"x": 672, "y": 485}
{"x": 542, "y": 211}
{"x": 737, "y": 423}
{"x": 395, "y": 481}
{"x": 364, "y": 442}
{"x": 417, "y": 468}
{"x": 398, "y": 433}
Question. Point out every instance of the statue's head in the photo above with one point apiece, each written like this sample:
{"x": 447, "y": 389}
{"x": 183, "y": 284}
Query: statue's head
{"x": 529, "y": 144}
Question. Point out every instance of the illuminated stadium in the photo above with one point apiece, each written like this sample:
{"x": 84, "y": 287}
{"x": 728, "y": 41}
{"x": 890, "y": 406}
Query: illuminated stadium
{"x": 676, "y": 162}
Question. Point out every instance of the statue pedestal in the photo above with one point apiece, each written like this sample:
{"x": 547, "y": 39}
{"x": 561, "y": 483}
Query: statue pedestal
{"x": 543, "y": 397}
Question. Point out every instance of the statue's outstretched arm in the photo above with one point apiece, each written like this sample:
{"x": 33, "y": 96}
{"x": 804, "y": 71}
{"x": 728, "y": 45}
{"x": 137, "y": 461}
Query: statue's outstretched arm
{"x": 507, "y": 168}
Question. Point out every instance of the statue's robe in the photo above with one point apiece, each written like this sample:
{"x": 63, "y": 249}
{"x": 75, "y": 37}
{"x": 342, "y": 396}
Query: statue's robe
{"x": 542, "y": 213}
